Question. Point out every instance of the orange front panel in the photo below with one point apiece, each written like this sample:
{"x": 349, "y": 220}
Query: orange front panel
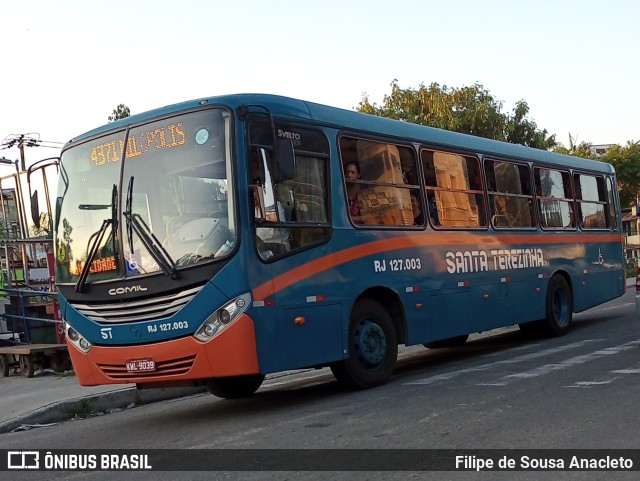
{"x": 232, "y": 352}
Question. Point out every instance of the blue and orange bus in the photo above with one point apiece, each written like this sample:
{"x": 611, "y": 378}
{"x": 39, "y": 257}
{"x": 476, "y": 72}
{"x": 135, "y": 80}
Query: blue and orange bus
{"x": 215, "y": 241}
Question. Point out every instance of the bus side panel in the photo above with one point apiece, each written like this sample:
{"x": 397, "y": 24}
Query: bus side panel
{"x": 448, "y": 315}
{"x": 591, "y": 290}
{"x": 299, "y": 337}
{"x": 601, "y": 276}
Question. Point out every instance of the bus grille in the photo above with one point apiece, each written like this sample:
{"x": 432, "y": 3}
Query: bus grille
{"x": 171, "y": 367}
{"x": 140, "y": 310}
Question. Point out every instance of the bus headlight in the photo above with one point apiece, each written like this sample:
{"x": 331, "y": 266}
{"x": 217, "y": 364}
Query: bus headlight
{"x": 223, "y": 317}
{"x": 76, "y": 338}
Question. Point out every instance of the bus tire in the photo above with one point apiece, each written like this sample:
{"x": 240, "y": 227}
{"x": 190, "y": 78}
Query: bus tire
{"x": 449, "y": 342}
{"x": 559, "y": 311}
{"x": 372, "y": 347}
{"x": 559, "y": 308}
{"x": 233, "y": 387}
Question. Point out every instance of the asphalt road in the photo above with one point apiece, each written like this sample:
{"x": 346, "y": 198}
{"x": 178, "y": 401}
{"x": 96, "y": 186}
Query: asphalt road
{"x": 500, "y": 391}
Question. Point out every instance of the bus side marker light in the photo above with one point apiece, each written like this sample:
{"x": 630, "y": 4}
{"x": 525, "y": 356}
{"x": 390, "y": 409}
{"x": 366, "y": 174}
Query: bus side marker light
{"x": 485, "y": 296}
{"x": 538, "y": 289}
{"x": 317, "y": 298}
{"x": 418, "y": 306}
{"x": 267, "y": 302}
{"x": 298, "y": 320}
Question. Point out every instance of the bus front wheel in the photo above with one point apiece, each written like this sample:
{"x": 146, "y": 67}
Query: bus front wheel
{"x": 233, "y": 387}
{"x": 372, "y": 347}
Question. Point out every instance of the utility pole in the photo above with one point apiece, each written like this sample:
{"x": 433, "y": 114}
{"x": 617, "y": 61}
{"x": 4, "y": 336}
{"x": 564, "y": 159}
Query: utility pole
{"x": 21, "y": 141}
{"x": 23, "y": 165}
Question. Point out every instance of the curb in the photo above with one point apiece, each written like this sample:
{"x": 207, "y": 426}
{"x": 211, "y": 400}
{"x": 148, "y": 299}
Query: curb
{"x": 120, "y": 399}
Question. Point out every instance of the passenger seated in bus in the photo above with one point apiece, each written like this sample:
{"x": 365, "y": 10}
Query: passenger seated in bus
{"x": 433, "y": 209}
{"x": 418, "y": 217}
{"x": 352, "y": 173}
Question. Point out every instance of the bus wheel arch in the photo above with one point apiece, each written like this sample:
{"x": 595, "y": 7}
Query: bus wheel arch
{"x": 390, "y": 300}
{"x": 372, "y": 348}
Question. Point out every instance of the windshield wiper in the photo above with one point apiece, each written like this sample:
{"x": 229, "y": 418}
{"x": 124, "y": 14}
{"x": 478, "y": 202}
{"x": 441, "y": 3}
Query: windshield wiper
{"x": 148, "y": 238}
{"x": 99, "y": 235}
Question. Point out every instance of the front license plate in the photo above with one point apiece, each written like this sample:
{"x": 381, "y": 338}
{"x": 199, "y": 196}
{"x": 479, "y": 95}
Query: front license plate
{"x": 140, "y": 365}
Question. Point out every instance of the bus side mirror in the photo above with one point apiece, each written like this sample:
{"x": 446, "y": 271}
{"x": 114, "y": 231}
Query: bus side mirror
{"x": 35, "y": 209}
{"x": 286, "y": 159}
{"x": 58, "y": 209}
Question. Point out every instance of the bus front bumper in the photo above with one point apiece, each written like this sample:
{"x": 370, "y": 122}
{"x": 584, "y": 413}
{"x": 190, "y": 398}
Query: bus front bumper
{"x": 185, "y": 360}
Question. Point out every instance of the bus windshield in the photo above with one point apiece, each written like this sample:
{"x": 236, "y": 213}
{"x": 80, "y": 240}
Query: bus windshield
{"x": 162, "y": 203}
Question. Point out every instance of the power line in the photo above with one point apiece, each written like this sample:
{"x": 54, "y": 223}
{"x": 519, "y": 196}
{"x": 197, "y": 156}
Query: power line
{"x": 21, "y": 141}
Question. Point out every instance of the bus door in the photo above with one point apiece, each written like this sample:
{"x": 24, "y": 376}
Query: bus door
{"x": 289, "y": 193}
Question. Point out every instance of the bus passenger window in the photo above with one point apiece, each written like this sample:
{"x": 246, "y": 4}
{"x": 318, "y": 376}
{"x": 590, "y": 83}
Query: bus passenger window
{"x": 378, "y": 180}
{"x": 509, "y": 185}
{"x": 554, "y": 199}
{"x": 591, "y": 201}
{"x": 454, "y": 189}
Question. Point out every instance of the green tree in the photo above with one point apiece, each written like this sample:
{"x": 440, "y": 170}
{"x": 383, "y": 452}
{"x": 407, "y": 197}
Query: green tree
{"x": 120, "y": 112}
{"x": 521, "y": 130}
{"x": 470, "y": 110}
{"x": 626, "y": 161}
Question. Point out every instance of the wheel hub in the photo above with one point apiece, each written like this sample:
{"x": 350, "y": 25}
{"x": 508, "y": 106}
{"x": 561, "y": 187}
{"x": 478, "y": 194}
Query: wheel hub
{"x": 370, "y": 342}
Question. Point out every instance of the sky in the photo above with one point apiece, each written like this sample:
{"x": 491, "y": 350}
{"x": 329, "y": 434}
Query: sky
{"x": 67, "y": 64}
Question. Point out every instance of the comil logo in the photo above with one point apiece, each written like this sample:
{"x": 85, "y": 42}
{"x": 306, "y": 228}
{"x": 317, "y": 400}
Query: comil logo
{"x": 23, "y": 460}
{"x": 126, "y": 290}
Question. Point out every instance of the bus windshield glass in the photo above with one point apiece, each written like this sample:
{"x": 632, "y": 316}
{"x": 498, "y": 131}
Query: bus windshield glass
{"x": 154, "y": 197}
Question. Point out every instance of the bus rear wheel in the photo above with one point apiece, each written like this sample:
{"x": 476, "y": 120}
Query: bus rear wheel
{"x": 233, "y": 387}
{"x": 373, "y": 347}
{"x": 559, "y": 311}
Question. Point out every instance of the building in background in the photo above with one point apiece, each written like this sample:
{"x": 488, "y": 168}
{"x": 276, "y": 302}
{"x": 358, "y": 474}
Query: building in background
{"x": 631, "y": 230}
{"x": 600, "y": 149}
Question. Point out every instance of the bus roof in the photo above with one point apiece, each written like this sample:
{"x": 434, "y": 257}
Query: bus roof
{"x": 286, "y": 107}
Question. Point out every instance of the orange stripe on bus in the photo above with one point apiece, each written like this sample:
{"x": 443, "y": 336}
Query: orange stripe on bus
{"x": 349, "y": 254}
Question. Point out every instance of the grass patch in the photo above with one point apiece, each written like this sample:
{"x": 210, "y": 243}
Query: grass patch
{"x": 82, "y": 410}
